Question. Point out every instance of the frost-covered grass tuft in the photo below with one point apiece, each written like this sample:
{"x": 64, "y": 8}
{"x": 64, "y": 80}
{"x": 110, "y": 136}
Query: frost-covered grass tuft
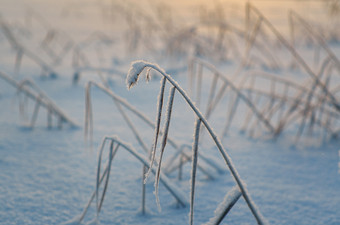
{"x": 31, "y": 91}
{"x": 103, "y": 175}
{"x": 132, "y": 77}
{"x": 273, "y": 104}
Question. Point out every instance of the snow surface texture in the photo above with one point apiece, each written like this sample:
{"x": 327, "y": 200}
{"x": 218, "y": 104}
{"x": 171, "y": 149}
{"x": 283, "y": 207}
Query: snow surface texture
{"x": 47, "y": 175}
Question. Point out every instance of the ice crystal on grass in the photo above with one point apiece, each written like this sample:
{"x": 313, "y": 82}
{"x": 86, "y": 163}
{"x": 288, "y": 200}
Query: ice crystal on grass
{"x": 136, "y": 69}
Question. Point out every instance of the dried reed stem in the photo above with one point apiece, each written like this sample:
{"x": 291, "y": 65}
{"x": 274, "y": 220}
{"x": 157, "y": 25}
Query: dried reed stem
{"x": 194, "y": 168}
{"x": 164, "y": 140}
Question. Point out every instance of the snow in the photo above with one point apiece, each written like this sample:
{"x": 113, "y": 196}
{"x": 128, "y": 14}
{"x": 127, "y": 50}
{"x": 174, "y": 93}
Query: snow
{"x": 47, "y": 176}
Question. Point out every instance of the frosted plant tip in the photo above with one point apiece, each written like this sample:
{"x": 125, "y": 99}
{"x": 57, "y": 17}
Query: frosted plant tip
{"x": 133, "y": 74}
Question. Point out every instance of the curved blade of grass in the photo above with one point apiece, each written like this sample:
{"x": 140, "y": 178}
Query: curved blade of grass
{"x": 165, "y": 136}
{"x": 158, "y": 119}
{"x": 112, "y": 153}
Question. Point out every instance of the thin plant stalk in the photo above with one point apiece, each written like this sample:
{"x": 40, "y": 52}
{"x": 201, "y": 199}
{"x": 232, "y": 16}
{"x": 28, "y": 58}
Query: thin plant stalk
{"x": 297, "y": 57}
{"x": 32, "y": 91}
{"x": 194, "y": 168}
{"x": 174, "y": 191}
{"x": 164, "y": 139}
{"x": 158, "y": 121}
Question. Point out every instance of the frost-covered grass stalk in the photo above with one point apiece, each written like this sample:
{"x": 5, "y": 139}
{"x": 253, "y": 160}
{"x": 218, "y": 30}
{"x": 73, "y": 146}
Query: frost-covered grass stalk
{"x": 112, "y": 152}
{"x": 224, "y": 207}
{"x": 164, "y": 140}
{"x": 276, "y": 106}
{"x": 184, "y": 156}
{"x": 295, "y": 18}
{"x": 30, "y": 90}
{"x": 88, "y": 129}
{"x": 134, "y": 72}
{"x": 309, "y": 108}
{"x": 111, "y": 72}
{"x": 194, "y": 167}
{"x": 334, "y": 101}
{"x": 116, "y": 144}
{"x": 225, "y": 83}
{"x": 122, "y": 105}
{"x": 82, "y": 64}
{"x": 158, "y": 122}
{"x": 53, "y": 38}
{"x": 24, "y": 51}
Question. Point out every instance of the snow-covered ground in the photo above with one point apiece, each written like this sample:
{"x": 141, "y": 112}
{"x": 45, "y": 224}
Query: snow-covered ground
{"x": 48, "y": 175}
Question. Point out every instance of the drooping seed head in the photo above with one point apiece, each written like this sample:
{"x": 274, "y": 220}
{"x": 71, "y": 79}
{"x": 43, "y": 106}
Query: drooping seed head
{"x": 136, "y": 68}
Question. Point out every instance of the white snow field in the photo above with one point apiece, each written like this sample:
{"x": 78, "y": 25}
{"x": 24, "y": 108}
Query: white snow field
{"x": 63, "y": 89}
